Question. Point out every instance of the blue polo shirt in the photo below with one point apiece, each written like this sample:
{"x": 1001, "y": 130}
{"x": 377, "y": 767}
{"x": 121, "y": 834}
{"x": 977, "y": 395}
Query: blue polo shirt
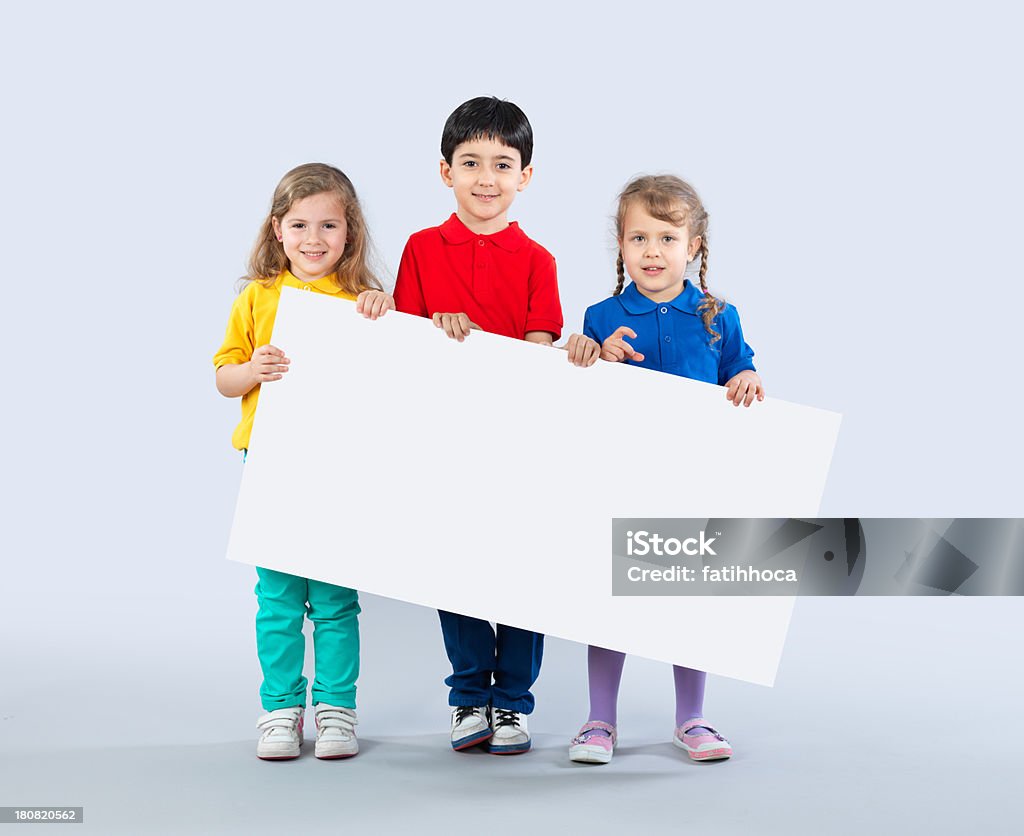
{"x": 671, "y": 335}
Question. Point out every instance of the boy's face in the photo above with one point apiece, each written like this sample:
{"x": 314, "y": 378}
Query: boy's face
{"x": 486, "y": 176}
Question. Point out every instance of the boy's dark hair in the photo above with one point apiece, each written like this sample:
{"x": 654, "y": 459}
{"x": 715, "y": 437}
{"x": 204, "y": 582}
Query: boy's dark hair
{"x": 488, "y": 117}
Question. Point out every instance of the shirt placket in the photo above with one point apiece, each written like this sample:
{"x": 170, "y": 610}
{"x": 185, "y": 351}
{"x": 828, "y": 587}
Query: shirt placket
{"x": 666, "y": 336}
{"x": 482, "y": 268}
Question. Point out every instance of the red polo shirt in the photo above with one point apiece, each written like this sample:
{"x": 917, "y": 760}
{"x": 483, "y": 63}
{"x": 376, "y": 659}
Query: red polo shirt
{"x": 504, "y": 282}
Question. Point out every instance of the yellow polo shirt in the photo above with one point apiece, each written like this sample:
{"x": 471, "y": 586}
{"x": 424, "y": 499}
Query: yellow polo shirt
{"x": 250, "y": 326}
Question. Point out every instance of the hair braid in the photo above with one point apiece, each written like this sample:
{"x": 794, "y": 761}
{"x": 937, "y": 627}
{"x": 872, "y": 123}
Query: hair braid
{"x": 710, "y": 307}
{"x": 620, "y": 270}
{"x": 703, "y": 261}
{"x": 669, "y": 199}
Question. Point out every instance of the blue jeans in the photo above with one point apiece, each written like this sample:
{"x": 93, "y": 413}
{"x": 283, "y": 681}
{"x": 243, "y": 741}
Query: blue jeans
{"x": 512, "y": 658}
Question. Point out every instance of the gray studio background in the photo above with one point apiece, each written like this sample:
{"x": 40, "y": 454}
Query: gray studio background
{"x": 861, "y": 168}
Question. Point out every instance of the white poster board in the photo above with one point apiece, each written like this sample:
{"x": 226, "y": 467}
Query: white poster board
{"x": 482, "y": 477}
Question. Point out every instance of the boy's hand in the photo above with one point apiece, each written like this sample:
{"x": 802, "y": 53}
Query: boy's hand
{"x": 374, "y": 303}
{"x": 268, "y": 363}
{"x": 615, "y": 349}
{"x": 583, "y": 351}
{"x": 743, "y": 388}
{"x": 456, "y": 325}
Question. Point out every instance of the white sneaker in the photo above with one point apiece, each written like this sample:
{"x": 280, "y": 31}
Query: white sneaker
{"x": 281, "y": 737}
{"x": 511, "y": 737}
{"x": 470, "y": 726}
{"x": 335, "y": 732}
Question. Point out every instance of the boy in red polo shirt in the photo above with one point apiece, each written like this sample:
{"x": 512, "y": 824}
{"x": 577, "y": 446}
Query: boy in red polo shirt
{"x": 477, "y": 270}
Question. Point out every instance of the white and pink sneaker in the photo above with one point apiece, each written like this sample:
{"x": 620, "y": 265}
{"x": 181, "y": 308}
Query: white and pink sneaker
{"x": 281, "y": 737}
{"x": 335, "y": 732}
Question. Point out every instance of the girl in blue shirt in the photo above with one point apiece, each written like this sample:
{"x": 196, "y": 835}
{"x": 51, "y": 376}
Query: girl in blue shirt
{"x": 665, "y": 322}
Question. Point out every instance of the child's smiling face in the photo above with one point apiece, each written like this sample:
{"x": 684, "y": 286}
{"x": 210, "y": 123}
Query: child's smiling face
{"x": 313, "y": 232}
{"x": 485, "y": 175}
{"x": 655, "y": 253}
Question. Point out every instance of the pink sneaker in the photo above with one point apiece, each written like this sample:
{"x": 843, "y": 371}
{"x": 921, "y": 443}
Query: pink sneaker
{"x": 704, "y": 744}
{"x": 590, "y": 746}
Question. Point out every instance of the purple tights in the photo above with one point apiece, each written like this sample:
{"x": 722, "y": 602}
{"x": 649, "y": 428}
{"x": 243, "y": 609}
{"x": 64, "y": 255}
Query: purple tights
{"x": 605, "y": 672}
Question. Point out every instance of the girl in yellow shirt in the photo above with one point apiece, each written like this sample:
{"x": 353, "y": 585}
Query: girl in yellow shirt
{"x": 314, "y": 238}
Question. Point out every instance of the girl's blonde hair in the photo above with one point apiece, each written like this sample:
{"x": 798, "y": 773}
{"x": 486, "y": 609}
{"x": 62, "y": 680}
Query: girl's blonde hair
{"x": 674, "y": 201}
{"x": 352, "y": 272}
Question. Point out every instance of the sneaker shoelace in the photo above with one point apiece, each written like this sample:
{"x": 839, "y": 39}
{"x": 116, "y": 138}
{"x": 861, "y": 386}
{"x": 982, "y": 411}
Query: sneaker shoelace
{"x": 504, "y": 717}
{"x": 464, "y": 711}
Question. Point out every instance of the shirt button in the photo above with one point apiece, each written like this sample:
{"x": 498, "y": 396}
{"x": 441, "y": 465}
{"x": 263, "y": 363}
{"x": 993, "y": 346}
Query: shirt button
{"x": 480, "y": 242}
{"x": 306, "y": 287}
{"x": 668, "y": 339}
{"x": 664, "y": 310}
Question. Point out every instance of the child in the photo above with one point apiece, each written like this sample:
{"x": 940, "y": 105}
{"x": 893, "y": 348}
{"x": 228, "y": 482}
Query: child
{"x": 315, "y": 239}
{"x": 478, "y": 271}
{"x": 673, "y": 326}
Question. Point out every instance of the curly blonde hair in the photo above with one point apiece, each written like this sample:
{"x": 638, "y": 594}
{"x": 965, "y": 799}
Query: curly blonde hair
{"x": 352, "y": 273}
{"x": 669, "y": 199}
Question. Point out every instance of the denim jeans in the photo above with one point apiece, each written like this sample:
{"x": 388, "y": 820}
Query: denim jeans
{"x": 511, "y": 657}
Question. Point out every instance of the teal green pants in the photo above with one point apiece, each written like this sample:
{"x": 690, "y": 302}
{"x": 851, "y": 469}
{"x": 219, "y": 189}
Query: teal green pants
{"x": 284, "y": 600}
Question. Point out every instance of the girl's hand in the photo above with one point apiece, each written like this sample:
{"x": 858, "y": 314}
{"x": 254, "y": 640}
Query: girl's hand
{"x": 374, "y": 303}
{"x": 743, "y": 388}
{"x": 456, "y": 325}
{"x": 615, "y": 349}
{"x": 583, "y": 351}
{"x": 268, "y": 363}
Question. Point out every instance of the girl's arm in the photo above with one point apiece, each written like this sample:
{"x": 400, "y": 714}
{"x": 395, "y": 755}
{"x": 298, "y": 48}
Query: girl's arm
{"x": 237, "y": 379}
{"x": 373, "y": 304}
{"x": 744, "y": 387}
{"x": 736, "y": 372}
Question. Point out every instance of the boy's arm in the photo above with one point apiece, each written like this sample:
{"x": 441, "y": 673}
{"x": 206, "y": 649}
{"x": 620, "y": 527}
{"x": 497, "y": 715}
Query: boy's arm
{"x": 544, "y": 309}
{"x": 544, "y": 313}
{"x": 582, "y": 351}
{"x": 408, "y": 289}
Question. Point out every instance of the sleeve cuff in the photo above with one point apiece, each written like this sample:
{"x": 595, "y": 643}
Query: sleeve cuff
{"x": 549, "y": 325}
{"x": 729, "y": 373}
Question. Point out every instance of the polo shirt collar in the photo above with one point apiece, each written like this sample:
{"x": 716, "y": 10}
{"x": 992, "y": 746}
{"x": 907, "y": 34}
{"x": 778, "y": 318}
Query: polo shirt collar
{"x": 324, "y": 285}
{"x": 686, "y": 302}
{"x": 511, "y": 238}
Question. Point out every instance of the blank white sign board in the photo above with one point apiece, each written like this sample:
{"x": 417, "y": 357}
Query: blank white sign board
{"x": 482, "y": 477}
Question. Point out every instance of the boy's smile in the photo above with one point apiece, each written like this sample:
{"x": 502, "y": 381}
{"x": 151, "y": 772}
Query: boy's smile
{"x": 485, "y": 175}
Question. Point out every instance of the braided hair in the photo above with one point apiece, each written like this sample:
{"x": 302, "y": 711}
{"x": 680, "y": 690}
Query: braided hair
{"x": 674, "y": 201}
